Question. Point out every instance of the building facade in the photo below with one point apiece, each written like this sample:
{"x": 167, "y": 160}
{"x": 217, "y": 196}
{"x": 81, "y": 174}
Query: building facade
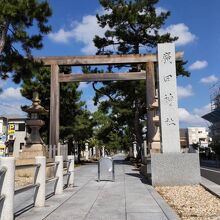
{"x": 3, "y": 135}
{"x": 198, "y": 135}
{"x": 214, "y": 116}
{"x": 16, "y": 135}
{"x": 193, "y": 135}
{"x": 13, "y": 135}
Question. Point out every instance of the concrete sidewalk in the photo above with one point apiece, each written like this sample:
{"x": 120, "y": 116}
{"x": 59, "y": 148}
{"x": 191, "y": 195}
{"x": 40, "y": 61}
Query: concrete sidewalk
{"x": 128, "y": 198}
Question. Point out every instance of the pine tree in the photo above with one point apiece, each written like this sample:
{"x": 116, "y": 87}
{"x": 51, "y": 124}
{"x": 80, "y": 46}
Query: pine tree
{"x": 17, "y": 18}
{"x": 132, "y": 28}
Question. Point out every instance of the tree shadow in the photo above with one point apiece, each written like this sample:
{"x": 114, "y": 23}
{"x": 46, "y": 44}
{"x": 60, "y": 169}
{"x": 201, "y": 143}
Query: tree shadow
{"x": 142, "y": 178}
{"x": 124, "y": 162}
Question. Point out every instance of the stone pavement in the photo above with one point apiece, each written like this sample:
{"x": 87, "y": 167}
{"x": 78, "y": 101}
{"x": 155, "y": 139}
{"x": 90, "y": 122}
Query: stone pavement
{"x": 128, "y": 198}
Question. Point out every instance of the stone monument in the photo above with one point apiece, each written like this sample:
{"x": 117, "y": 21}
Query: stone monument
{"x": 94, "y": 151}
{"x": 86, "y": 152}
{"x": 171, "y": 167}
{"x": 135, "y": 149}
{"x": 34, "y": 144}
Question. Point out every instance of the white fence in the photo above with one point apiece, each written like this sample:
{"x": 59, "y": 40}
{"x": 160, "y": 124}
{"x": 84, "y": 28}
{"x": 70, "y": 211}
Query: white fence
{"x": 7, "y": 181}
{"x": 64, "y": 151}
{"x": 61, "y": 149}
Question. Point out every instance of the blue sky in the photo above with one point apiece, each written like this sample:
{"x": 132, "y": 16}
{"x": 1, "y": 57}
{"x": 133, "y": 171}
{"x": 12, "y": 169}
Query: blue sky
{"x": 196, "y": 23}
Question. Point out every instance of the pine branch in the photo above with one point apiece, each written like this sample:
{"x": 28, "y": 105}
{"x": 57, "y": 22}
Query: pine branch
{"x": 98, "y": 91}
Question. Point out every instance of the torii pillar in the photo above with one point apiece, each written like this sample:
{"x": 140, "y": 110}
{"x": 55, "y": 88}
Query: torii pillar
{"x": 54, "y": 106}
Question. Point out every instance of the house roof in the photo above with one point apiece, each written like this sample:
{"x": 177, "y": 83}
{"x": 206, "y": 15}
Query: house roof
{"x": 213, "y": 116}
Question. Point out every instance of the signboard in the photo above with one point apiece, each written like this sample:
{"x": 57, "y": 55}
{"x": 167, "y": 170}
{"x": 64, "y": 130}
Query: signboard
{"x": 106, "y": 169}
{"x": 169, "y": 120}
{"x": 2, "y": 149}
{"x": 3, "y": 138}
{"x": 11, "y": 129}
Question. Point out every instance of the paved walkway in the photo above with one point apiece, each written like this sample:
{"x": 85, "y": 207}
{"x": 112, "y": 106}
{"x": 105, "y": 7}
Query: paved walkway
{"x": 128, "y": 198}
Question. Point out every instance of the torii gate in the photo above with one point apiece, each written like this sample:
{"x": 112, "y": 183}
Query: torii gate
{"x": 166, "y": 59}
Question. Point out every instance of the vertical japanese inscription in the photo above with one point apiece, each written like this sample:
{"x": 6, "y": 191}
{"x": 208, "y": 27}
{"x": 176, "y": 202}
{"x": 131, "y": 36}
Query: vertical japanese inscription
{"x": 169, "y": 121}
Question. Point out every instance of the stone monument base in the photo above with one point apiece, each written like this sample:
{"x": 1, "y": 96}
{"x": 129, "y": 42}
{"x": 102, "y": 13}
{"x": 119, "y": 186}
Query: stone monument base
{"x": 29, "y": 152}
{"x": 27, "y": 156}
{"x": 170, "y": 169}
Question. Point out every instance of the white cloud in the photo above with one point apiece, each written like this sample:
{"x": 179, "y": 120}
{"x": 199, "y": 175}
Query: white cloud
{"x": 11, "y": 93}
{"x": 203, "y": 110}
{"x": 61, "y": 36}
{"x": 181, "y": 31}
{"x": 90, "y": 103}
{"x": 191, "y": 119}
{"x": 82, "y": 32}
{"x": 160, "y": 10}
{"x": 82, "y": 85}
{"x": 199, "y": 64}
{"x": 85, "y": 31}
{"x": 209, "y": 79}
{"x": 11, "y": 109}
{"x": 11, "y": 101}
{"x": 90, "y": 106}
{"x": 184, "y": 92}
{"x": 2, "y": 83}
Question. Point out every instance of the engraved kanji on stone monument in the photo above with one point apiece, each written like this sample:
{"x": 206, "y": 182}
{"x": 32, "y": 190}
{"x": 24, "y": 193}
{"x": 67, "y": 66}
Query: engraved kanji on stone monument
{"x": 169, "y": 121}
{"x": 169, "y": 99}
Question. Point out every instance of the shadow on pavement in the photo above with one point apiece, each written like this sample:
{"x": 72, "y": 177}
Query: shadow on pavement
{"x": 141, "y": 177}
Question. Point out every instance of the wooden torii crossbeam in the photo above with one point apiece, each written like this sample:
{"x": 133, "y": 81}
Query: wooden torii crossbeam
{"x": 55, "y": 61}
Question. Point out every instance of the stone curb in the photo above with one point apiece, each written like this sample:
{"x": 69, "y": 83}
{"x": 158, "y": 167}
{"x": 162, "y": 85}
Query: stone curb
{"x": 168, "y": 211}
{"x": 210, "y": 186}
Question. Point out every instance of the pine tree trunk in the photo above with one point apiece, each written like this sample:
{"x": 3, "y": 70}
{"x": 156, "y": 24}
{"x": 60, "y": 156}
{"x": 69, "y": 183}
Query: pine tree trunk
{"x": 70, "y": 146}
{"x": 79, "y": 152}
{"x": 137, "y": 128}
{"x": 3, "y": 33}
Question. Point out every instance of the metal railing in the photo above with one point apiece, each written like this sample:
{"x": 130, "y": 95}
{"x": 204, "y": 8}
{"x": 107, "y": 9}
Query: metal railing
{"x": 2, "y": 198}
{"x": 68, "y": 172}
{"x": 30, "y": 186}
{"x": 54, "y": 178}
{"x": 2, "y": 173}
{"x": 7, "y": 180}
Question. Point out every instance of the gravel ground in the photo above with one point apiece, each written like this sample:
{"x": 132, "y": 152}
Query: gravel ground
{"x": 191, "y": 202}
{"x": 23, "y": 181}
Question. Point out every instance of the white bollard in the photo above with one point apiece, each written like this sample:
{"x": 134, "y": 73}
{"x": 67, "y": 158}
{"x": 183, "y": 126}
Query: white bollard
{"x": 71, "y": 170}
{"x": 59, "y": 174}
{"x": 135, "y": 149}
{"x": 94, "y": 152}
{"x": 145, "y": 148}
{"x": 58, "y": 149}
{"x": 103, "y": 151}
{"x": 90, "y": 152}
{"x": 41, "y": 179}
{"x": 8, "y": 188}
